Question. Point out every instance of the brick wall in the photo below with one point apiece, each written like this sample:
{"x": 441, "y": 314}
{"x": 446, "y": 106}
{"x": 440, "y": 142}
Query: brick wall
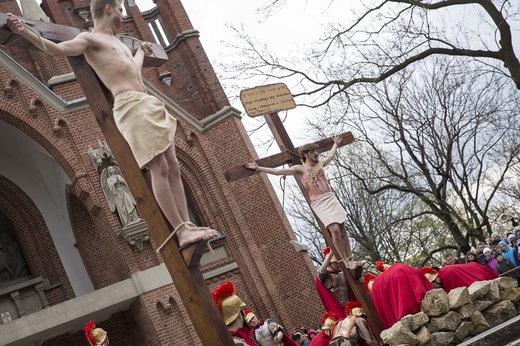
{"x": 271, "y": 277}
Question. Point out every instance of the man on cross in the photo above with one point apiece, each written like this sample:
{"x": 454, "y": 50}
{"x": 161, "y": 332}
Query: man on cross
{"x": 142, "y": 119}
{"x": 323, "y": 202}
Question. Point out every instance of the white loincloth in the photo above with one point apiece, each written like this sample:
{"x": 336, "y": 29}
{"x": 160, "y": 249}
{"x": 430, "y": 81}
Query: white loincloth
{"x": 145, "y": 123}
{"x": 328, "y": 209}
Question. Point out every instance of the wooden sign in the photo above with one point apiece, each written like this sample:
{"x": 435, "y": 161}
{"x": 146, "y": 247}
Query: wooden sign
{"x": 267, "y": 99}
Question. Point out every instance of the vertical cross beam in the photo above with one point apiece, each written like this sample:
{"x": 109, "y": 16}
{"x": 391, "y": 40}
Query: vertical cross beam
{"x": 190, "y": 285}
{"x": 284, "y": 142}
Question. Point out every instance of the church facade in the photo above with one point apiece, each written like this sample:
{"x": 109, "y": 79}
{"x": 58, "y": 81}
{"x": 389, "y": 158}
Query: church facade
{"x": 72, "y": 249}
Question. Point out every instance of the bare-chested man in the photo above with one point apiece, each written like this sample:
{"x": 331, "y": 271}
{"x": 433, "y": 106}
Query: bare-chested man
{"x": 142, "y": 119}
{"x": 323, "y": 202}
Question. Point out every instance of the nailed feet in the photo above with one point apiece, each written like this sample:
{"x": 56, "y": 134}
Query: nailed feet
{"x": 188, "y": 233}
{"x": 351, "y": 264}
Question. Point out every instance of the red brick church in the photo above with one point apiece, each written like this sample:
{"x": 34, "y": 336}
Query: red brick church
{"x": 67, "y": 256}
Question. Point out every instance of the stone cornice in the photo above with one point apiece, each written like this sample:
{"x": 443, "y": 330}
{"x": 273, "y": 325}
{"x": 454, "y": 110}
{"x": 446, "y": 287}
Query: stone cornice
{"x": 181, "y": 37}
{"x": 46, "y": 94}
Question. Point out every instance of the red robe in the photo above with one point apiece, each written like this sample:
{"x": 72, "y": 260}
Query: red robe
{"x": 321, "y": 339}
{"x": 463, "y": 275}
{"x": 329, "y": 302}
{"x": 398, "y": 292}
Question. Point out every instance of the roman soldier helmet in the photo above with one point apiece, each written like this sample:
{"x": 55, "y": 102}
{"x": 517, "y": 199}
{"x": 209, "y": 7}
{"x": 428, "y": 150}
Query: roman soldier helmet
{"x": 369, "y": 281}
{"x": 96, "y": 336}
{"x": 249, "y": 315}
{"x": 382, "y": 267}
{"x": 229, "y": 304}
{"x": 429, "y": 272}
{"x": 354, "y": 308}
{"x": 328, "y": 320}
{"x": 326, "y": 251}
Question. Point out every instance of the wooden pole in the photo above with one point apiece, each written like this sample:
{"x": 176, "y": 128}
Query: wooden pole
{"x": 190, "y": 285}
{"x": 284, "y": 142}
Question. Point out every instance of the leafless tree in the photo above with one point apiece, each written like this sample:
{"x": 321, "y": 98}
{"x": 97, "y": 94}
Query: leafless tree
{"x": 391, "y": 226}
{"x": 448, "y": 137}
{"x": 380, "y": 38}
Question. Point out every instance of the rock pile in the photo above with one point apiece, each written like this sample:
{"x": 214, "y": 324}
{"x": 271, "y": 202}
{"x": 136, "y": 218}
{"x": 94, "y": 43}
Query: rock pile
{"x": 450, "y": 318}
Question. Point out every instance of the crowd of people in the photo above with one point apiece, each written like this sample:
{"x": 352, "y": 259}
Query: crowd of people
{"x": 499, "y": 253}
{"x": 249, "y": 329}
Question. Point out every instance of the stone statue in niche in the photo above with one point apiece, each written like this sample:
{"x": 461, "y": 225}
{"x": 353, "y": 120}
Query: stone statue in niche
{"x": 12, "y": 262}
{"x": 118, "y": 196}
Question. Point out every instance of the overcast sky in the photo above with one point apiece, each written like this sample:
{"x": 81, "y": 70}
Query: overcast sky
{"x": 293, "y": 28}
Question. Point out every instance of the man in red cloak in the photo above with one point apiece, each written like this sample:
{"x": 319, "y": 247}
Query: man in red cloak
{"x": 458, "y": 275}
{"x": 331, "y": 285}
{"x": 397, "y": 292}
{"x": 232, "y": 309}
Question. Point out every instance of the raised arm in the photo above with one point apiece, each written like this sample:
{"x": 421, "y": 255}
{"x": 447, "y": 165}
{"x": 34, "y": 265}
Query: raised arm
{"x": 74, "y": 47}
{"x": 332, "y": 151}
{"x": 144, "y": 50}
{"x": 326, "y": 262}
{"x": 296, "y": 169}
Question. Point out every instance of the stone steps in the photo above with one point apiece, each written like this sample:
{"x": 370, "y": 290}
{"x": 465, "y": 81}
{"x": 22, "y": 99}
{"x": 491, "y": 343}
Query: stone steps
{"x": 505, "y": 334}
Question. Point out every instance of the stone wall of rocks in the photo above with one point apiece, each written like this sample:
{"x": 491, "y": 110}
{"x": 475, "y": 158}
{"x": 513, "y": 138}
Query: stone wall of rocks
{"x": 450, "y": 318}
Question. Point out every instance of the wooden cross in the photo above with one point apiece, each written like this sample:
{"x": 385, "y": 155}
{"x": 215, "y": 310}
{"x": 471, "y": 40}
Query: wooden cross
{"x": 188, "y": 280}
{"x": 289, "y": 156}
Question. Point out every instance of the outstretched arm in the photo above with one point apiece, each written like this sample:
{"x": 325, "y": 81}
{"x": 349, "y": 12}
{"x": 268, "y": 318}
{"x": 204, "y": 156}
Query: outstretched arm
{"x": 332, "y": 152}
{"x": 74, "y": 47}
{"x": 275, "y": 171}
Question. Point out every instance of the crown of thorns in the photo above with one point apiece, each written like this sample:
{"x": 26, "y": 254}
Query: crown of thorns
{"x": 308, "y": 147}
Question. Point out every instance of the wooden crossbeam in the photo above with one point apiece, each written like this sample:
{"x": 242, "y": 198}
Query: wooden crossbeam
{"x": 60, "y": 33}
{"x": 289, "y": 157}
{"x": 285, "y": 157}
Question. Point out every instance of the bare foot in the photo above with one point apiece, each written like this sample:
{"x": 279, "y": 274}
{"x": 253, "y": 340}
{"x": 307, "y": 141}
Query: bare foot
{"x": 350, "y": 264}
{"x": 190, "y": 235}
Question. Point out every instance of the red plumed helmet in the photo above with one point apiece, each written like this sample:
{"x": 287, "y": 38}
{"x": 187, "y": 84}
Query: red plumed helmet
{"x": 329, "y": 315}
{"x": 229, "y": 304}
{"x": 351, "y": 305}
{"x": 328, "y": 320}
{"x": 380, "y": 266}
{"x": 369, "y": 278}
{"x": 326, "y": 251}
{"x": 222, "y": 291}
{"x": 428, "y": 270}
{"x": 88, "y": 328}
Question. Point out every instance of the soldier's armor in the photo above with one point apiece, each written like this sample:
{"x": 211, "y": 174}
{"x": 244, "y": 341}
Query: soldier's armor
{"x": 345, "y": 333}
{"x": 350, "y": 330}
{"x": 264, "y": 335}
{"x": 337, "y": 285}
